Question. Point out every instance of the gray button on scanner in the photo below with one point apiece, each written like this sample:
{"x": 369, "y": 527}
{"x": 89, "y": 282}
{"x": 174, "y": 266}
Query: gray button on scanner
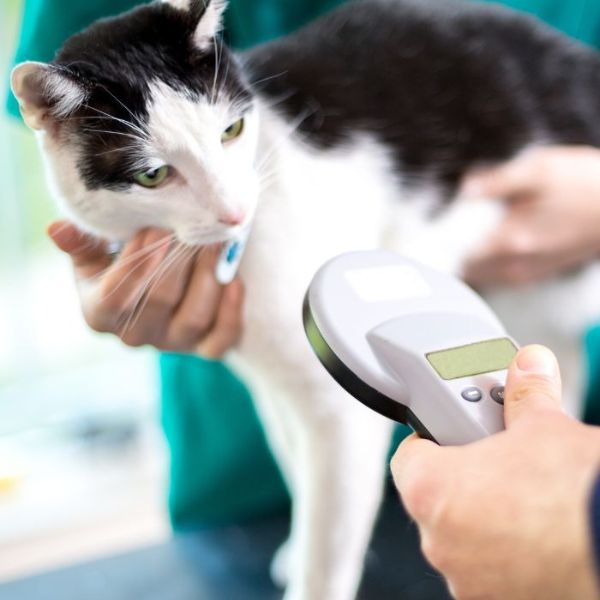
{"x": 497, "y": 394}
{"x": 472, "y": 394}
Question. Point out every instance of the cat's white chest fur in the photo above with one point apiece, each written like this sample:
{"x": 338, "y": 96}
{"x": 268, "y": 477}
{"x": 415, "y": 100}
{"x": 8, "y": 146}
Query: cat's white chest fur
{"x": 314, "y": 205}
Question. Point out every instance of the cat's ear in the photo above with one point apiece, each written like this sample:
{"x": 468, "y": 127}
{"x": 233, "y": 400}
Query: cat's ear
{"x": 207, "y": 17}
{"x": 210, "y": 22}
{"x": 45, "y": 93}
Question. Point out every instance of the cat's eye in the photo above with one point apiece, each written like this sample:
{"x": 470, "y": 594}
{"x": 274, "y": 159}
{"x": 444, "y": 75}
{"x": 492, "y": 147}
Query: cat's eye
{"x": 233, "y": 131}
{"x": 152, "y": 177}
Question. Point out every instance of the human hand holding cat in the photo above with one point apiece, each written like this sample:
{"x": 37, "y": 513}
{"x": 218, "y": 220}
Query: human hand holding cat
{"x": 552, "y": 222}
{"x": 182, "y": 308}
{"x": 508, "y": 517}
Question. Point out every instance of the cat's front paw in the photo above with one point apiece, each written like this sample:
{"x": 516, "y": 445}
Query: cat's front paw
{"x": 281, "y": 565}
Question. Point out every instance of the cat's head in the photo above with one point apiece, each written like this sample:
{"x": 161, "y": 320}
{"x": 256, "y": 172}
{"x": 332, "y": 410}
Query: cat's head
{"x": 145, "y": 120}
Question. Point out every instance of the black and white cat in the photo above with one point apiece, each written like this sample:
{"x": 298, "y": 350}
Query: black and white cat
{"x": 352, "y": 133}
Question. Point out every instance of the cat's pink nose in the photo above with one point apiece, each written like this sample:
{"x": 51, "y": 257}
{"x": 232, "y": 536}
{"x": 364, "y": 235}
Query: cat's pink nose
{"x": 232, "y": 218}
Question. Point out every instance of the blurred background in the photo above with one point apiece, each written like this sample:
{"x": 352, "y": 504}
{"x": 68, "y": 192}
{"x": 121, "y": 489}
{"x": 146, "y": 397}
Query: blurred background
{"x": 80, "y": 449}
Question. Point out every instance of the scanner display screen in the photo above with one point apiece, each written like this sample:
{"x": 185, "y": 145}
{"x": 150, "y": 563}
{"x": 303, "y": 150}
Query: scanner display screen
{"x": 473, "y": 359}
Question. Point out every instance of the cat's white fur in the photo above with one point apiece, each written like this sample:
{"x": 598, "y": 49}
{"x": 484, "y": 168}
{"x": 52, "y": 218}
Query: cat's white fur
{"x": 309, "y": 205}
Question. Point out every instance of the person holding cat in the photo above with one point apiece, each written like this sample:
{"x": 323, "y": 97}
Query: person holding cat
{"x": 182, "y": 328}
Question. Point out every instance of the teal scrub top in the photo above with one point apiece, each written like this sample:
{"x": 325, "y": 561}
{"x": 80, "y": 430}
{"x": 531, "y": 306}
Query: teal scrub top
{"x": 221, "y": 470}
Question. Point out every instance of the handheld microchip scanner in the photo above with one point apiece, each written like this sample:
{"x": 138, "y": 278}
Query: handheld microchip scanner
{"x": 414, "y": 344}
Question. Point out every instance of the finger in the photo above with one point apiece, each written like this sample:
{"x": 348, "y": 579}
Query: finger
{"x": 108, "y": 301}
{"x": 171, "y": 278}
{"x": 198, "y": 309}
{"x": 512, "y": 179}
{"x": 156, "y": 299}
{"x": 533, "y": 383}
{"x": 87, "y": 252}
{"x": 141, "y": 256}
{"x": 416, "y": 471}
{"x": 228, "y": 326}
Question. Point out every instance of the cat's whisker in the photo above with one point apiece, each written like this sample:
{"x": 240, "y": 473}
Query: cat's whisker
{"x": 143, "y": 296}
{"x": 276, "y": 101}
{"x": 200, "y": 250}
{"x": 218, "y": 85}
{"x": 113, "y": 151}
{"x": 224, "y": 82}
{"x": 292, "y": 129}
{"x": 131, "y": 113}
{"x": 107, "y": 116}
{"x": 133, "y": 130}
{"x": 212, "y": 89}
{"x": 119, "y": 149}
{"x": 267, "y": 175}
{"x": 149, "y": 249}
{"x": 239, "y": 102}
{"x": 93, "y": 244}
{"x": 130, "y": 315}
{"x": 109, "y": 132}
{"x": 160, "y": 268}
{"x": 233, "y": 99}
{"x": 257, "y": 82}
{"x": 179, "y": 254}
{"x": 213, "y": 94}
{"x": 265, "y": 184}
{"x": 130, "y": 273}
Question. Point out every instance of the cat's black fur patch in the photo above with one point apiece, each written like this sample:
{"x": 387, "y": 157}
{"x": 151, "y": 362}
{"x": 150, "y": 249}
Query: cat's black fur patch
{"x": 444, "y": 85}
{"x": 116, "y": 60}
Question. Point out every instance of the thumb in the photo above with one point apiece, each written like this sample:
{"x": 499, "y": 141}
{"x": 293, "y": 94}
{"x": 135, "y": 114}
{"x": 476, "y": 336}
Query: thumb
{"x": 88, "y": 253}
{"x": 533, "y": 383}
{"x": 506, "y": 181}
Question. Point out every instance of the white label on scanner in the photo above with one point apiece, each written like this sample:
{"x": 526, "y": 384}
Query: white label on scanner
{"x": 394, "y": 282}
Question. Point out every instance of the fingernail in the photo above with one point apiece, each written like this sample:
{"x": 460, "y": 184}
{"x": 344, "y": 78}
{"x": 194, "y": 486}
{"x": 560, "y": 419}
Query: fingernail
{"x": 538, "y": 360}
